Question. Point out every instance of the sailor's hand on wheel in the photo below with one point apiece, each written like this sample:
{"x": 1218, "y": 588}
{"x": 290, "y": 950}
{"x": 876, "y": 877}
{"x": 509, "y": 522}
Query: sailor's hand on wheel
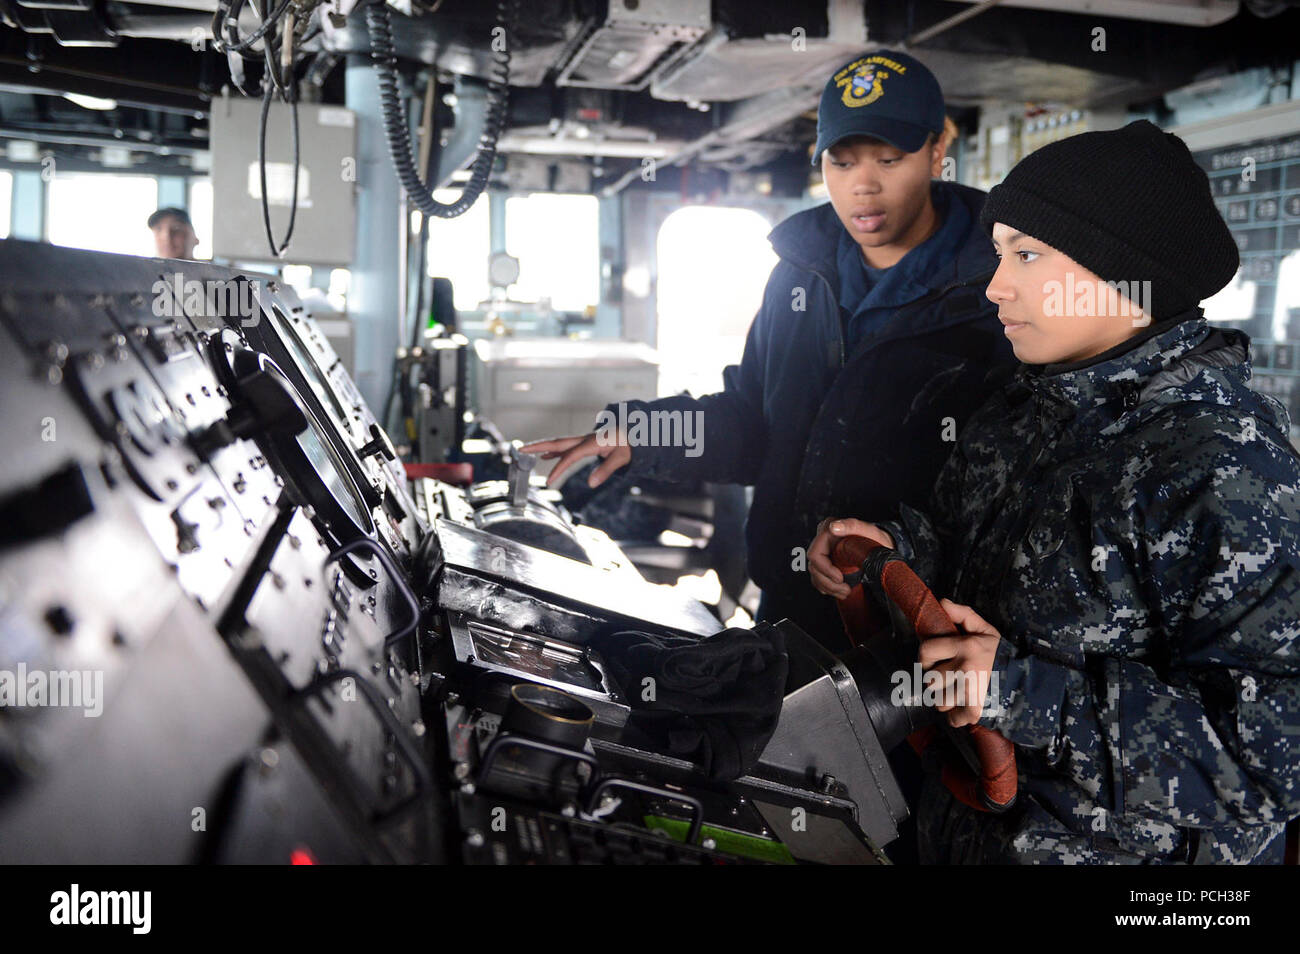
{"x": 570, "y": 450}
{"x": 965, "y": 660}
{"x": 830, "y": 531}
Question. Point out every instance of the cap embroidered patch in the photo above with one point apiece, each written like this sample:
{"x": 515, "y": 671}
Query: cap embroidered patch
{"x": 862, "y": 81}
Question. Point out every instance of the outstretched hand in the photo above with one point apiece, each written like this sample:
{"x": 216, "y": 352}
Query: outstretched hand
{"x": 570, "y": 450}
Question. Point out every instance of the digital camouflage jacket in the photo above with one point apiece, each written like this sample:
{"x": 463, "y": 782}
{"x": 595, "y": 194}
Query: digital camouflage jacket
{"x": 1131, "y": 526}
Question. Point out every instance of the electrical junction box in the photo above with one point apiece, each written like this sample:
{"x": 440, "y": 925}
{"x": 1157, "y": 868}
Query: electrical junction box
{"x": 327, "y": 180}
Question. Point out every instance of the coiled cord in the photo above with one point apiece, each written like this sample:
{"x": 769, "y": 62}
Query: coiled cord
{"x": 279, "y": 248}
{"x": 380, "y": 26}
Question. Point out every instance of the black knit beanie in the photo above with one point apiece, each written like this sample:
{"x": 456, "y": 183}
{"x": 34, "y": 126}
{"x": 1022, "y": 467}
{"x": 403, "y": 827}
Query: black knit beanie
{"x": 1130, "y": 205}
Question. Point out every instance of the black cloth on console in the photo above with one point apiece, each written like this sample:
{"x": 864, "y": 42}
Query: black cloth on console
{"x": 715, "y": 701}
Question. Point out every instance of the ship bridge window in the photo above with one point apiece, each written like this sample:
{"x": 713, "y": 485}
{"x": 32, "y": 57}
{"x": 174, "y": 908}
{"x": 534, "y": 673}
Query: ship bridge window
{"x": 106, "y": 213}
{"x": 6, "y": 201}
{"x": 556, "y": 239}
{"x": 713, "y": 265}
{"x": 459, "y": 247}
{"x": 201, "y": 215}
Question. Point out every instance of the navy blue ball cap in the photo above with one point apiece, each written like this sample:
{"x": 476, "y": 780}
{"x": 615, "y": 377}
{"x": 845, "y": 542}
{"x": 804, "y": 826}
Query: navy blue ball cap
{"x": 172, "y": 211}
{"x": 885, "y": 94}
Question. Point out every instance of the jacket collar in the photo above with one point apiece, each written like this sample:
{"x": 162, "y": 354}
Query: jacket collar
{"x": 1120, "y": 374}
{"x": 810, "y": 239}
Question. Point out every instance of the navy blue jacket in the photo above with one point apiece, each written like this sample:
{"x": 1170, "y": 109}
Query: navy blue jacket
{"x": 820, "y": 432}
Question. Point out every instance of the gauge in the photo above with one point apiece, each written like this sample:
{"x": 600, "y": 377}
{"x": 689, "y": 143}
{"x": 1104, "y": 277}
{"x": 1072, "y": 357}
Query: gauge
{"x": 503, "y": 269}
{"x": 288, "y": 336}
{"x": 309, "y": 366}
{"x": 307, "y": 460}
{"x": 330, "y": 468}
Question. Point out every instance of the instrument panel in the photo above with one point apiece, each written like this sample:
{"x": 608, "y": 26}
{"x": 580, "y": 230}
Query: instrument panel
{"x": 270, "y": 644}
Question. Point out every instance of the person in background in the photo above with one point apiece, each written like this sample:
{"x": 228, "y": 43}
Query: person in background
{"x": 1115, "y": 535}
{"x": 173, "y": 233}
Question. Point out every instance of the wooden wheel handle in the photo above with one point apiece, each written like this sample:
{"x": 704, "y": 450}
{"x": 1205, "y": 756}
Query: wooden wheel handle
{"x": 860, "y": 558}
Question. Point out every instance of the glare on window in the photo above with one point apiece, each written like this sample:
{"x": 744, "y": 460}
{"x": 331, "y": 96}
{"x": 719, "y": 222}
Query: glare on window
{"x": 713, "y": 266}
{"x": 6, "y": 199}
{"x": 557, "y": 241}
{"x": 297, "y": 277}
{"x": 201, "y": 215}
{"x": 108, "y": 213}
{"x": 459, "y": 247}
{"x": 340, "y": 282}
